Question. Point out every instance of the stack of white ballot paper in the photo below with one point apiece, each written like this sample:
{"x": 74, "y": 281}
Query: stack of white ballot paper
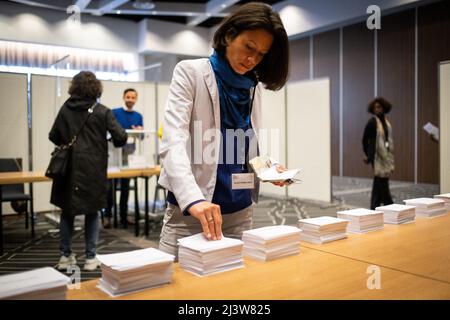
{"x": 397, "y": 213}
{"x": 362, "y": 220}
{"x": 134, "y": 270}
{"x": 268, "y": 243}
{"x": 201, "y": 256}
{"x": 322, "y": 229}
{"x": 428, "y": 207}
{"x": 446, "y": 198}
{"x": 40, "y": 284}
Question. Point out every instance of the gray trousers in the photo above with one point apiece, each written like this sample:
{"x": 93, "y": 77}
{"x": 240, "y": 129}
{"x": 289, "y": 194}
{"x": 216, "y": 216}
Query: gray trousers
{"x": 176, "y": 226}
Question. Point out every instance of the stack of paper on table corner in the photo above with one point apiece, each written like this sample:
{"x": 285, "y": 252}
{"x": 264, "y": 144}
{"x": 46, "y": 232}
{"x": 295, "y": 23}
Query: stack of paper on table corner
{"x": 134, "y": 270}
{"x": 268, "y": 243}
{"x": 201, "y": 256}
{"x": 362, "y": 220}
{"x": 446, "y": 198}
{"x": 322, "y": 229}
{"x": 398, "y": 213}
{"x": 39, "y": 284}
{"x": 428, "y": 207}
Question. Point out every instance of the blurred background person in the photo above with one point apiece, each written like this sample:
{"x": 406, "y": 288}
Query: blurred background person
{"x": 128, "y": 119}
{"x": 378, "y": 145}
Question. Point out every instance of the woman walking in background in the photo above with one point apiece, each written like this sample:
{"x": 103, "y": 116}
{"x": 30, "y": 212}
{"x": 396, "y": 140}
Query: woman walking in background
{"x": 378, "y": 145}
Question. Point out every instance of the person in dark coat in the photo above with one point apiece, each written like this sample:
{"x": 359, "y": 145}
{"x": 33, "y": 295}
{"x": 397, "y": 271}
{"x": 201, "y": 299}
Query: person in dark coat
{"x": 378, "y": 145}
{"x": 83, "y": 190}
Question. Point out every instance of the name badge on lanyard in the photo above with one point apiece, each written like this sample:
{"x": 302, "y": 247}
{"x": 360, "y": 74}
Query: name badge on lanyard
{"x": 242, "y": 181}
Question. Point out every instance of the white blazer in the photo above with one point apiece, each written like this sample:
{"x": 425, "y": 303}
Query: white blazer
{"x": 192, "y": 110}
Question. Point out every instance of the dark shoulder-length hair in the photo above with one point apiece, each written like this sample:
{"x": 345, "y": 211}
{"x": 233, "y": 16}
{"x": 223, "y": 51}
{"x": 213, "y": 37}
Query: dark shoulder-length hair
{"x": 386, "y": 105}
{"x": 273, "y": 70}
{"x": 85, "y": 85}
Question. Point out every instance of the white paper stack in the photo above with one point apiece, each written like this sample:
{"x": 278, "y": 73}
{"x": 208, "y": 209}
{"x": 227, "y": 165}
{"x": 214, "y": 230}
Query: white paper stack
{"x": 201, "y": 256}
{"x": 446, "y": 198}
{"x": 428, "y": 207}
{"x": 40, "y": 284}
{"x": 134, "y": 270}
{"x": 322, "y": 229}
{"x": 362, "y": 220}
{"x": 268, "y": 243}
{"x": 398, "y": 213}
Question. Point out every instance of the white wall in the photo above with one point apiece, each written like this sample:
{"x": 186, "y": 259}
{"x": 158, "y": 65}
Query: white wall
{"x": 162, "y": 73}
{"x": 168, "y": 37}
{"x": 444, "y": 126}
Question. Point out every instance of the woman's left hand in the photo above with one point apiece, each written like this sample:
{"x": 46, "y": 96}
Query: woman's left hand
{"x": 280, "y": 169}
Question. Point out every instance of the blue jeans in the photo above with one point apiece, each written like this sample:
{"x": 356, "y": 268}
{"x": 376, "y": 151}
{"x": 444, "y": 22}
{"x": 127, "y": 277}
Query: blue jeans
{"x": 91, "y": 230}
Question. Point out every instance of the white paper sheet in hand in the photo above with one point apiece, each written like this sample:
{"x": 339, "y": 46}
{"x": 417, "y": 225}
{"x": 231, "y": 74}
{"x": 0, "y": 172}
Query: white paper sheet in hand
{"x": 265, "y": 168}
{"x": 272, "y": 175}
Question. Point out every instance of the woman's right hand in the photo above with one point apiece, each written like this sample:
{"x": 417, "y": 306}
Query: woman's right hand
{"x": 210, "y": 218}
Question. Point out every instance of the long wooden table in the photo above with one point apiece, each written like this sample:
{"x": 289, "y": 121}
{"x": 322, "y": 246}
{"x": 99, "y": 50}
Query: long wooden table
{"x": 421, "y": 248}
{"x": 338, "y": 270}
{"x": 39, "y": 176}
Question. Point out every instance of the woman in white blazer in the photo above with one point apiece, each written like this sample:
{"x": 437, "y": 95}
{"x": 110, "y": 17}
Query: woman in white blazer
{"x": 211, "y": 124}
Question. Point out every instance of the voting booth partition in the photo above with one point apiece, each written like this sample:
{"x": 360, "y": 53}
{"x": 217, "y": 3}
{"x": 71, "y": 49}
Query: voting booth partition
{"x": 444, "y": 125}
{"x": 14, "y": 122}
{"x": 297, "y": 122}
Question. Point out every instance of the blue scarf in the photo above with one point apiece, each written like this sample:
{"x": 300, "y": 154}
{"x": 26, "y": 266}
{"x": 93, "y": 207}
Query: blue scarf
{"x": 234, "y": 92}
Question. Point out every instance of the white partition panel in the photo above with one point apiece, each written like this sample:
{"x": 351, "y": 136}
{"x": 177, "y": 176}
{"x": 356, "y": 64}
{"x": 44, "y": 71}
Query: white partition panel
{"x": 308, "y": 138}
{"x": 444, "y": 125}
{"x": 163, "y": 93}
{"x": 273, "y": 134}
{"x": 45, "y": 106}
{"x": 13, "y": 121}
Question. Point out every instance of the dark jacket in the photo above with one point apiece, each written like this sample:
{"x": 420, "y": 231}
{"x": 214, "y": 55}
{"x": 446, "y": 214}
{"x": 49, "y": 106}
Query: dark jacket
{"x": 83, "y": 191}
{"x": 370, "y": 137}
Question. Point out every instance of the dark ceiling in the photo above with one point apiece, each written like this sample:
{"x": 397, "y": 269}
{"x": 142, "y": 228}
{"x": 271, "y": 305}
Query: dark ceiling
{"x": 178, "y": 18}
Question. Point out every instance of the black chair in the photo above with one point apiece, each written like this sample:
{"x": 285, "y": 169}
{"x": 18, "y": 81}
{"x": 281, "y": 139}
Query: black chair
{"x": 14, "y": 192}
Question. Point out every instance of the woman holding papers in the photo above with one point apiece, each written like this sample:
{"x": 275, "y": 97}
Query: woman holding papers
{"x": 378, "y": 145}
{"x": 211, "y": 125}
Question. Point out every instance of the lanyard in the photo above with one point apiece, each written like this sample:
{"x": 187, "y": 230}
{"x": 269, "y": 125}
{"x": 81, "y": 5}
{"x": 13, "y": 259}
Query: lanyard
{"x": 248, "y": 123}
